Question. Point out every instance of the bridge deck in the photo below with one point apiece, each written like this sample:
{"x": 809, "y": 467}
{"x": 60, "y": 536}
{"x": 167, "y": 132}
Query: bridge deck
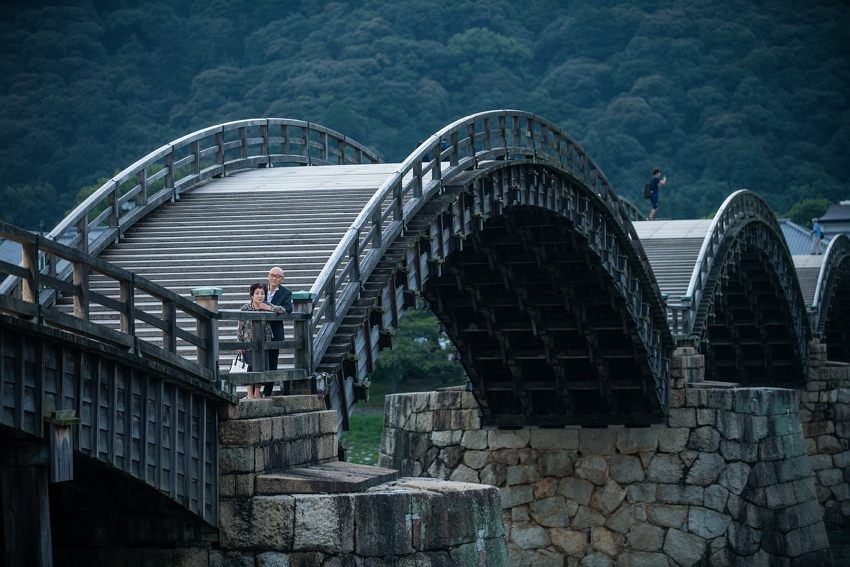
{"x": 808, "y": 268}
{"x": 230, "y": 231}
{"x": 672, "y": 248}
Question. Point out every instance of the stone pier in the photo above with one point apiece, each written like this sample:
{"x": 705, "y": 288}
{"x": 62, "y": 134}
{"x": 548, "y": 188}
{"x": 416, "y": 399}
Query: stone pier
{"x": 825, "y": 413}
{"x": 286, "y": 501}
{"x": 727, "y": 481}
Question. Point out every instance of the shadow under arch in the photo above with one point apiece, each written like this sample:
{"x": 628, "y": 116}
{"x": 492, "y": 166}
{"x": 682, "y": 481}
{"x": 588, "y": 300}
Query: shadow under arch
{"x": 546, "y": 299}
{"x": 750, "y": 320}
{"x": 831, "y": 305}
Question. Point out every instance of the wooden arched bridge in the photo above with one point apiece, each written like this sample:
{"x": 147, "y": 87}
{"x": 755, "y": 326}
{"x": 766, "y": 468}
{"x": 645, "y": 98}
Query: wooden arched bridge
{"x": 563, "y": 303}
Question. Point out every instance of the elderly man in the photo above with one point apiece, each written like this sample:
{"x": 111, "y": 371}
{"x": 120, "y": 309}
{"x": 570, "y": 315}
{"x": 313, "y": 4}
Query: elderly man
{"x": 277, "y": 295}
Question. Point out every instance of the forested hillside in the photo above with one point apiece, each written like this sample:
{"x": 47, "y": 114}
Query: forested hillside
{"x": 720, "y": 94}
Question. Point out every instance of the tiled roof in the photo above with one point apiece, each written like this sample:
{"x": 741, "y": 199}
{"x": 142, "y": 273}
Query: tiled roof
{"x": 799, "y": 238}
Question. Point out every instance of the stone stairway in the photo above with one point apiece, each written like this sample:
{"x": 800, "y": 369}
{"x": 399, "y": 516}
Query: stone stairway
{"x": 672, "y": 248}
{"x": 229, "y": 232}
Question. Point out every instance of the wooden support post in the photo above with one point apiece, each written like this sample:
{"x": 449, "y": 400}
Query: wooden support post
{"x": 29, "y": 261}
{"x": 207, "y": 329}
{"x": 302, "y": 302}
{"x": 26, "y": 508}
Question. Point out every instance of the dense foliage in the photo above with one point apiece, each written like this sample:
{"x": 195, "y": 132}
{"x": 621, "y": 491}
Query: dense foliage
{"x": 719, "y": 94}
{"x": 418, "y": 361}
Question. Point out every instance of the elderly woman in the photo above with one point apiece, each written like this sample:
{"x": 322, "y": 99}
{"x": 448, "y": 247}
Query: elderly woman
{"x": 245, "y": 332}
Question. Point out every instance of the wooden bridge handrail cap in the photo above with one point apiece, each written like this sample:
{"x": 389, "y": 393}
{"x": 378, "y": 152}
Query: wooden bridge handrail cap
{"x": 207, "y": 291}
{"x": 302, "y": 295}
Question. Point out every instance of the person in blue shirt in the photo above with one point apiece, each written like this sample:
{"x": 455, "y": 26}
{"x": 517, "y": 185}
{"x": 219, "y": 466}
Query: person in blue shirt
{"x": 817, "y": 237}
{"x": 655, "y": 182}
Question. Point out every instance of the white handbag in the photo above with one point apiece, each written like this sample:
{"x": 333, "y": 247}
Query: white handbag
{"x": 238, "y": 365}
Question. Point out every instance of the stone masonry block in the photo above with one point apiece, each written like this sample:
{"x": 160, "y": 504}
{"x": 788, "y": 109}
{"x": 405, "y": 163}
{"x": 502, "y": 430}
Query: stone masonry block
{"x": 672, "y": 439}
{"x": 685, "y": 417}
{"x": 452, "y": 513}
{"x": 261, "y": 522}
{"x": 447, "y": 400}
{"x": 382, "y": 524}
{"x": 226, "y": 485}
{"x": 298, "y": 404}
{"x": 507, "y": 438}
{"x": 597, "y": 441}
{"x": 328, "y": 422}
{"x": 474, "y": 439}
{"x": 247, "y": 409}
{"x": 324, "y": 522}
{"x": 546, "y": 439}
{"x": 636, "y": 440}
{"x": 236, "y": 459}
{"x": 239, "y": 432}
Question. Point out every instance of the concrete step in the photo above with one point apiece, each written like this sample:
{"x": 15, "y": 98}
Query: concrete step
{"x": 327, "y": 478}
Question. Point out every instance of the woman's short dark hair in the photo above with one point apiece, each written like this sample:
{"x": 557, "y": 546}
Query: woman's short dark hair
{"x": 656, "y": 171}
{"x": 256, "y": 286}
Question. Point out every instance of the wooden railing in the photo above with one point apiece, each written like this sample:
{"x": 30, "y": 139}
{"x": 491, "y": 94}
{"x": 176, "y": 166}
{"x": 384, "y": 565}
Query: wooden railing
{"x": 182, "y": 164}
{"x": 300, "y": 347}
{"x": 739, "y": 207}
{"x": 35, "y": 285}
{"x": 836, "y": 254}
{"x": 205, "y": 338}
{"x": 494, "y": 135}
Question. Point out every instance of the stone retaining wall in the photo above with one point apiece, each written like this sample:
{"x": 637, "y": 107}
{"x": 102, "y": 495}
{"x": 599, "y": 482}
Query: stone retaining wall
{"x": 418, "y": 522}
{"x": 825, "y": 414}
{"x": 286, "y": 502}
{"x": 726, "y": 482}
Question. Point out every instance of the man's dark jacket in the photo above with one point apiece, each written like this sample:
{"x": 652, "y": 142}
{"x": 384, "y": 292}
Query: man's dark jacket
{"x": 283, "y": 297}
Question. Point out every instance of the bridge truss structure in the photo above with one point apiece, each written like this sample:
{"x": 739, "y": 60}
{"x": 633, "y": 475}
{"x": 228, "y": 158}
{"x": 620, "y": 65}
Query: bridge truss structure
{"x": 538, "y": 270}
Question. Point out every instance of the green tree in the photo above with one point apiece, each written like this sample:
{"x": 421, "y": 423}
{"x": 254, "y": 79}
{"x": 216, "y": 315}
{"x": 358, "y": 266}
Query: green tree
{"x": 803, "y": 212}
{"x": 33, "y": 207}
{"x": 416, "y": 361}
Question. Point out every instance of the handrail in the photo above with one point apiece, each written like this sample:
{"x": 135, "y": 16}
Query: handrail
{"x": 190, "y": 160}
{"x": 300, "y": 346}
{"x": 836, "y": 253}
{"x": 740, "y": 204}
{"x": 460, "y": 146}
{"x": 36, "y": 284}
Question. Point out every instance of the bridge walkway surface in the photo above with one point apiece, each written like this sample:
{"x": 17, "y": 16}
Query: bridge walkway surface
{"x": 673, "y": 248}
{"x": 230, "y": 231}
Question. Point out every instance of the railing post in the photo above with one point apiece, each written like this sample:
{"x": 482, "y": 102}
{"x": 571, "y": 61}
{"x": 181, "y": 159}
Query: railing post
{"x": 264, "y": 134}
{"x": 81, "y": 273}
{"x": 169, "y": 170}
{"x": 195, "y": 148}
{"x": 302, "y": 302}
{"x": 29, "y": 261}
{"x": 142, "y": 180}
{"x": 219, "y": 145}
{"x": 284, "y": 133}
{"x": 417, "y": 174}
{"x": 258, "y": 352}
{"x": 305, "y": 147}
{"x": 207, "y": 329}
{"x": 169, "y": 316}
{"x": 127, "y": 297}
{"x": 243, "y": 142}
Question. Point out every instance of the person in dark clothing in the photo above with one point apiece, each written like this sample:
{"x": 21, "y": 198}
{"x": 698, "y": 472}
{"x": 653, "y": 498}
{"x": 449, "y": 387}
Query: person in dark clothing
{"x": 655, "y": 182}
{"x": 281, "y": 296}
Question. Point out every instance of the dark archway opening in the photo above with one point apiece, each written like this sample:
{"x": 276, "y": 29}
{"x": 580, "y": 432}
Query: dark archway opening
{"x": 837, "y": 328}
{"x": 750, "y": 335}
{"x": 544, "y": 334}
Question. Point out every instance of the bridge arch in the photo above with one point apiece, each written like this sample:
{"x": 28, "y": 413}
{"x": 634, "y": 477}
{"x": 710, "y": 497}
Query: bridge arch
{"x": 748, "y": 310}
{"x": 520, "y": 180}
{"x": 831, "y": 306}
